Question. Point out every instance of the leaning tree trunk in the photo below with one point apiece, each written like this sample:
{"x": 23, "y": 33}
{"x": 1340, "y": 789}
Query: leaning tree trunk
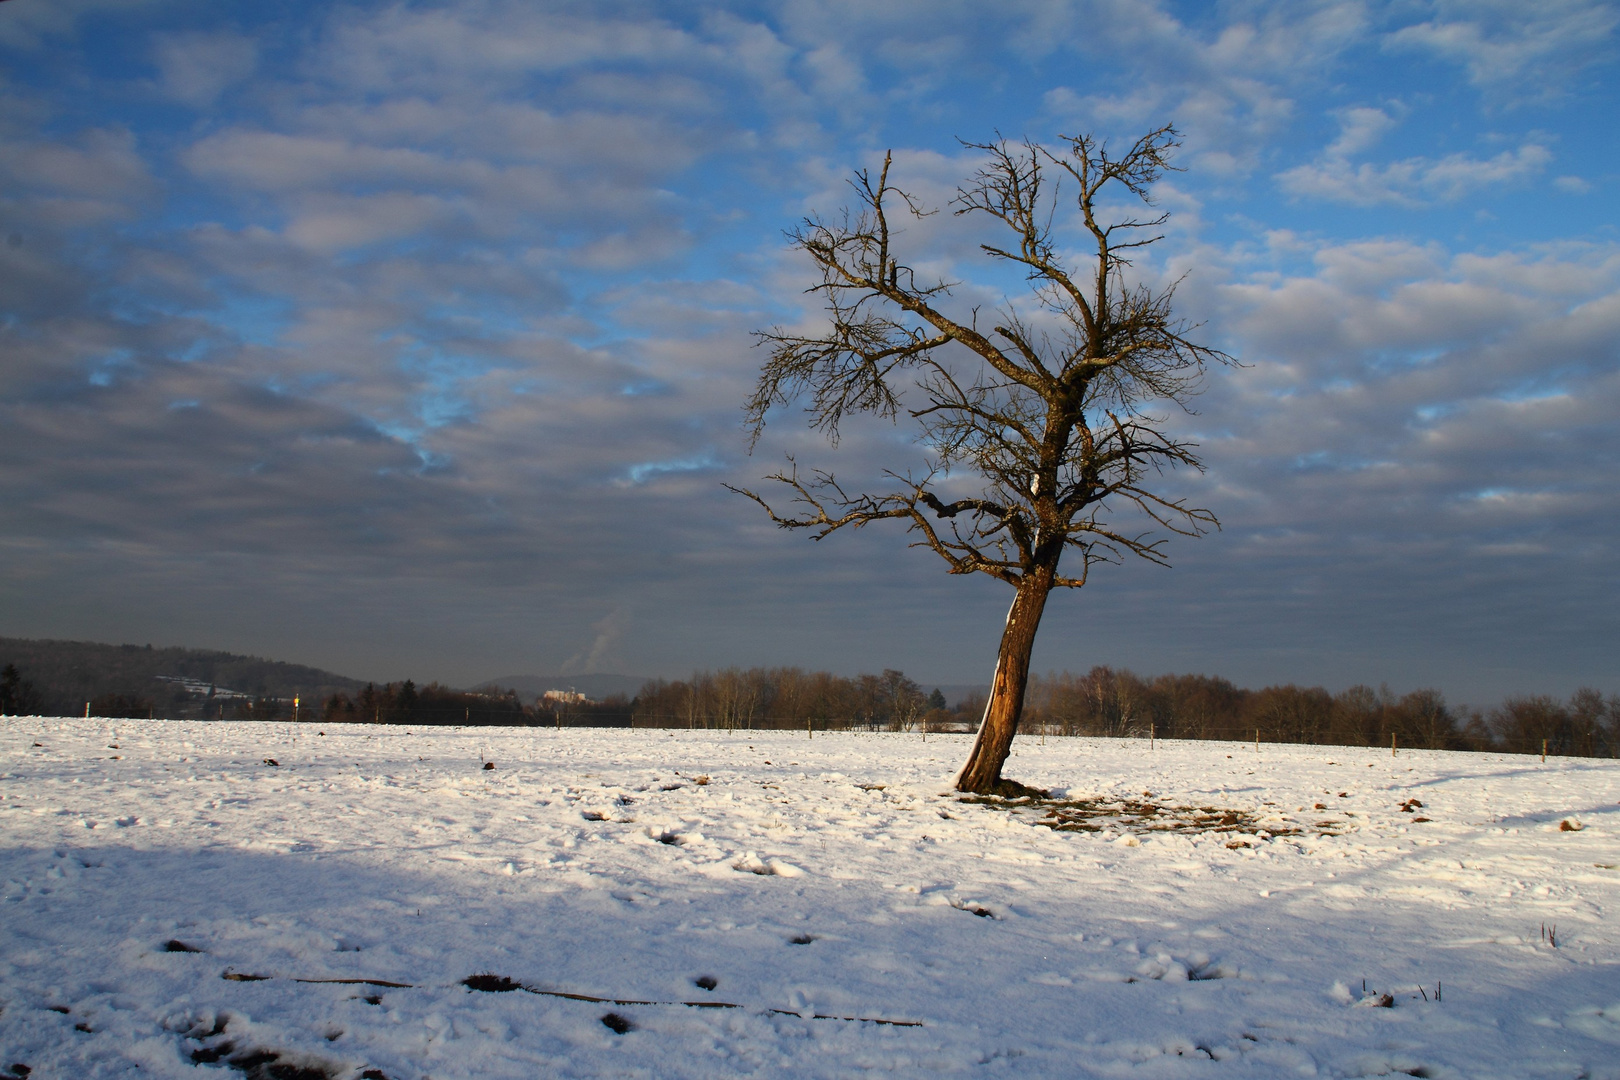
{"x": 982, "y": 773}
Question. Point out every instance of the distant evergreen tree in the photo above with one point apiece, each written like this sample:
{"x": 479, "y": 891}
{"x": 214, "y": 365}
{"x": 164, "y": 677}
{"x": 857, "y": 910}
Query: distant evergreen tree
{"x": 17, "y": 696}
{"x": 405, "y": 702}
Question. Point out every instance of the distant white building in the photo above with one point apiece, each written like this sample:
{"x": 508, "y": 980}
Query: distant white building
{"x": 565, "y": 697}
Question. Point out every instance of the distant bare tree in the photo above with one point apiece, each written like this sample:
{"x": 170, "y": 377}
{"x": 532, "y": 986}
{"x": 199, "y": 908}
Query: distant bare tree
{"x": 1422, "y": 719}
{"x": 1523, "y": 724}
{"x": 1046, "y": 403}
{"x": 1593, "y": 722}
{"x": 903, "y": 699}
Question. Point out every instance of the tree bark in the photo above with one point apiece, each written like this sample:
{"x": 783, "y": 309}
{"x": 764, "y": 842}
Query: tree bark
{"x": 982, "y": 773}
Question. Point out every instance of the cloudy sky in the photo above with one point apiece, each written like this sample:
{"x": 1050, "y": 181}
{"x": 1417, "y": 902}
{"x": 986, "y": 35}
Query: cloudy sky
{"x": 411, "y": 338}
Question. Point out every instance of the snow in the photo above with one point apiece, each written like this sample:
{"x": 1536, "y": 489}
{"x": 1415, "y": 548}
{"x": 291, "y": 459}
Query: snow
{"x": 833, "y": 877}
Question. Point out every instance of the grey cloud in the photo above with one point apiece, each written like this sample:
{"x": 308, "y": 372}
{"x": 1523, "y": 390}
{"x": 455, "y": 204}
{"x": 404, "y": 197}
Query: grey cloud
{"x": 1346, "y": 313}
{"x": 179, "y": 457}
{"x": 272, "y": 161}
{"x": 104, "y": 165}
{"x": 32, "y": 26}
{"x": 1403, "y": 407}
{"x": 421, "y": 401}
{"x": 334, "y": 223}
{"x": 1229, "y": 90}
{"x": 624, "y": 250}
{"x": 345, "y": 144}
{"x": 403, "y": 48}
{"x": 1412, "y": 474}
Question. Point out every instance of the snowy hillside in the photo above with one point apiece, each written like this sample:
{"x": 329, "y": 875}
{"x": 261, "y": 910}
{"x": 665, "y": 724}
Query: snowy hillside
{"x": 182, "y": 898}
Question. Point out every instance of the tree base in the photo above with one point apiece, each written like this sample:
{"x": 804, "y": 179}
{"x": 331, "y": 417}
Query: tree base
{"x": 1009, "y": 789}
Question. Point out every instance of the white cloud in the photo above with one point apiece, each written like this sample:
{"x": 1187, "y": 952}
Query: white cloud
{"x": 1360, "y": 129}
{"x": 1415, "y": 181}
{"x": 195, "y": 68}
{"x": 1528, "y": 49}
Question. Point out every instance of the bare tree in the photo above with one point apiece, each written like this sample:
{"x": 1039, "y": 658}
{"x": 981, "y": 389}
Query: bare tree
{"x": 1046, "y": 405}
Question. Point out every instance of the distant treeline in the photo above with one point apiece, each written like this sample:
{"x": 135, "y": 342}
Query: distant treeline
{"x": 1108, "y": 702}
{"x": 790, "y": 697}
{"x": 1104, "y": 701}
{"x": 405, "y": 703}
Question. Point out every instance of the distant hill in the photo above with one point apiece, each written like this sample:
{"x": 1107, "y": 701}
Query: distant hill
{"x": 600, "y": 686}
{"x": 176, "y": 681}
{"x": 597, "y": 686}
{"x": 180, "y": 682}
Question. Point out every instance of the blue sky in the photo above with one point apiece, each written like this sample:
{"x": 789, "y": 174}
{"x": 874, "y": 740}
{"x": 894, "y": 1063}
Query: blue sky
{"x": 411, "y": 338}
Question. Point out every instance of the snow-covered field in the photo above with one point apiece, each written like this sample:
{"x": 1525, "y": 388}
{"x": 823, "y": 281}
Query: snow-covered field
{"x": 795, "y": 879}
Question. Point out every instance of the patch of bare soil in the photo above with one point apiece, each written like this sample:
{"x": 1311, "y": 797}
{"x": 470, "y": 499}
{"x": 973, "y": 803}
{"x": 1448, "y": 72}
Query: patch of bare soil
{"x": 1104, "y": 813}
